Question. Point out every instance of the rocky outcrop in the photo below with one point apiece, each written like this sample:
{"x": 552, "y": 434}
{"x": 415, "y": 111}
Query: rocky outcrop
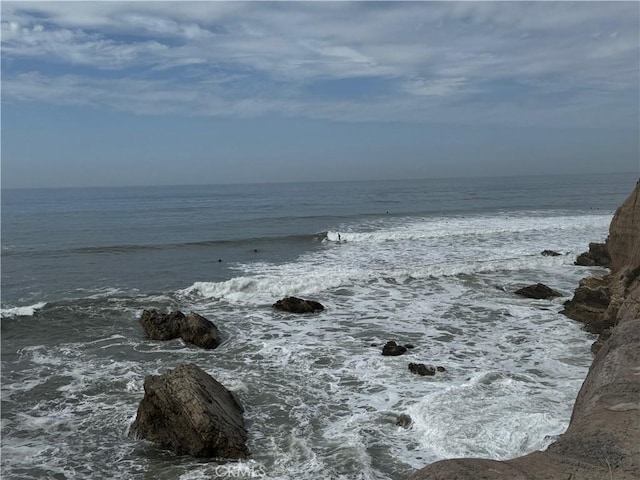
{"x": 550, "y": 253}
{"x": 602, "y": 441}
{"x": 392, "y": 349}
{"x": 597, "y": 256}
{"x": 298, "y": 305}
{"x": 189, "y": 412}
{"x": 538, "y": 291}
{"x": 192, "y": 328}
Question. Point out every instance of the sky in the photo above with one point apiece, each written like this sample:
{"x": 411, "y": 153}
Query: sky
{"x": 164, "y": 93}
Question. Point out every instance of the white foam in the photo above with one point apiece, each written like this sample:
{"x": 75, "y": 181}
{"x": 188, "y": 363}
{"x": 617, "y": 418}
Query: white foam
{"x": 25, "y": 311}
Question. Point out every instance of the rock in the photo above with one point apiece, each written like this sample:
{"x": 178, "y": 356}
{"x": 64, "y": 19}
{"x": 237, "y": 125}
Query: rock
{"x": 622, "y": 243}
{"x": 597, "y": 256}
{"x": 589, "y": 303}
{"x": 188, "y": 412}
{"x": 538, "y": 291}
{"x": 602, "y": 338}
{"x": 440, "y": 369}
{"x": 422, "y": 369}
{"x": 550, "y": 253}
{"x": 403, "y": 420}
{"x": 409, "y": 346}
{"x": 193, "y": 328}
{"x": 298, "y": 305}
{"x": 392, "y": 349}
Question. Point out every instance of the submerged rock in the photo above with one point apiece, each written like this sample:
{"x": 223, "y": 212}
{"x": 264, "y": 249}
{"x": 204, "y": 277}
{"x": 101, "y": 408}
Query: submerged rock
{"x": 550, "y": 253}
{"x": 189, "y": 412}
{"x": 422, "y": 369}
{"x": 193, "y": 328}
{"x": 538, "y": 291}
{"x": 597, "y": 256}
{"x": 392, "y": 349}
{"x": 298, "y": 305}
{"x": 404, "y": 420}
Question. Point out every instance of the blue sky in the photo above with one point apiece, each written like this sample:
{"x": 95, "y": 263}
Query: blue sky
{"x": 157, "y": 93}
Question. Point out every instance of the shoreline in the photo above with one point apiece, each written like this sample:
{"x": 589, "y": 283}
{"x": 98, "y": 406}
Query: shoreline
{"x": 603, "y": 437}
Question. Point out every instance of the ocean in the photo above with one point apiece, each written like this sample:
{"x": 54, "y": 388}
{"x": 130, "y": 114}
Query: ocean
{"x": 431, "y": 262}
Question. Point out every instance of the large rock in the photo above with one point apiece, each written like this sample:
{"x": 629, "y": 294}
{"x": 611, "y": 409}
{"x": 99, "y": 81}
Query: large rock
{"x": 538, "y": 291}
{"x": 192, "y": 328}
{"x": 298, "y": 305}
{"x": 392, "y": 349}
{"x": 189, "y": 412}
{"x": 603, "y": 438}
{"x": 597, "y": 256}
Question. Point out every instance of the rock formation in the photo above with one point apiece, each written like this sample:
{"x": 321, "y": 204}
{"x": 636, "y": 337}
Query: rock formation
{"x": 298, "y": 305}
{"x": 550, "y": 253}
{"x": 189, "y": 412}
{"x": 597, "y": 256}
{"x": 538, "y": 291}
{"x": 603, "y": 438}
{"x": 192, "y": 328}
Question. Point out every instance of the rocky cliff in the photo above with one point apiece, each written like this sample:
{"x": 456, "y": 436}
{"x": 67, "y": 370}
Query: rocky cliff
{"x": 603, "y": 438}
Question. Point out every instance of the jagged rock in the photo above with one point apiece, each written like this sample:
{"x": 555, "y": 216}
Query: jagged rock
{"x": 188, "y": 412}
{"x": 403, "y": 420}
{"x": 538, "y": 291}
{"x": 589, "y": 303}
{"x": 298, "y": 305}
{"x": 193, "y": 328}
{"x": 422, "y": 369}
{"x": 550, "y": 253}
{"x": 597, "y": 256}
{"x": 392, "y": 349}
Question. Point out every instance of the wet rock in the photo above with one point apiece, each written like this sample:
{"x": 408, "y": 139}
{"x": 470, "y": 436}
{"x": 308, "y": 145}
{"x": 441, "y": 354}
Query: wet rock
{"x": 193, "y": 328}
{"x": 298, "y": 305}
{"x": 188, "y": 412}
{"x": 404, "y": 420}
{"x": 538, "y": 291}
{"x": 597, "y": 256}
{"x": 550, "y": 253}
{"x": 409, "y": 346}
{"x": 440, "y": 369}
{"x": 422, "y": 369}
{"x": 392, "y": 349}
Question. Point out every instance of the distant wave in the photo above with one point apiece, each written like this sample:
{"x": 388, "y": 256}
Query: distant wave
{"x": 26, "y": 311}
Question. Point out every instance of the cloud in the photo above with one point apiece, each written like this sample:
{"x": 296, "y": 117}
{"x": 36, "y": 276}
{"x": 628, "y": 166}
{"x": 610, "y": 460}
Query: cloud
{"x": 444, "y": 61}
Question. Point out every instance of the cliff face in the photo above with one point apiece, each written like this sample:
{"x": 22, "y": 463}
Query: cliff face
{"x": 603, "y": 438}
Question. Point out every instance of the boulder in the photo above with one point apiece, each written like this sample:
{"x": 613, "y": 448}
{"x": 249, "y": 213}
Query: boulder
{"x": 538, "y": 291}
{"x": 422, "y": 369}
{"x": 193, "y": 328}
{"x": 188, "y": 412}
{"x": 298, "y": 305}
{"x": 597, "y": 256}
{"x": 392, "y": 349}
{"x": 550, "y": 253}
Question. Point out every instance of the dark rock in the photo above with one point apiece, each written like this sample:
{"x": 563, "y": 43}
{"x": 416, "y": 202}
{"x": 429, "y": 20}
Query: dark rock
{"x": 298, "y": 305}
{"x": 409, "y": 346}
{"x": 422, "y": 369}
{"x": 597, "y": 256}
{"x": 550, "y": 253}
{"x": 440, "y": 369}
{"x": 590, "y": 303}
{"x": 538, "y": 291}
{"x": 189, "y": 412}
{"x": 193, "y": 329}
{"x": 392, "y": 349}
{"x": 403, "y": 420}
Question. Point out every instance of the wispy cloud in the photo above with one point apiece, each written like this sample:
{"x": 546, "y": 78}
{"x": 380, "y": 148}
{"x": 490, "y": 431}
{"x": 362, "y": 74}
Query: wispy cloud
{"x": 505, "y": 62}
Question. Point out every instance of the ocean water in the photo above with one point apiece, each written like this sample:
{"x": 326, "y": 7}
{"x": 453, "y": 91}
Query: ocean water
{"x": 428, "y": 262}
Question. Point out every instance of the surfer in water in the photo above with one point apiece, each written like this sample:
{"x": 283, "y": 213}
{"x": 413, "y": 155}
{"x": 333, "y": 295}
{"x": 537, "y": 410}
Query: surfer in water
{"x": 339, "y": 239}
